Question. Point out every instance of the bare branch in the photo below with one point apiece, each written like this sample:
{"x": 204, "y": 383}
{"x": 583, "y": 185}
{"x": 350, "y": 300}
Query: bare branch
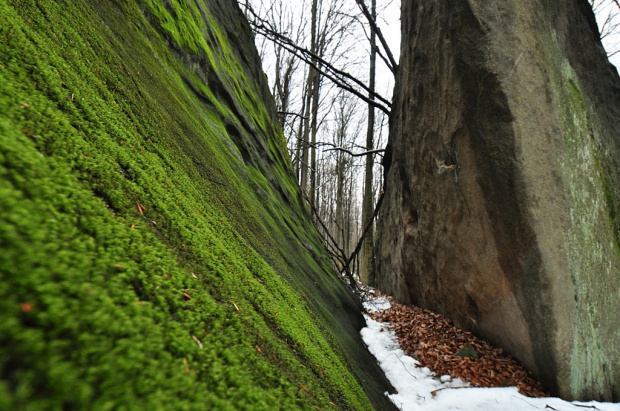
{"x": 352, "y": 154}
{"x": 288, "y": 113}
{"x": 344, "y": 85}
{"x": 393, "y": 66}
{"x": 341, "y": 255}
{"x": 337, "y": 76}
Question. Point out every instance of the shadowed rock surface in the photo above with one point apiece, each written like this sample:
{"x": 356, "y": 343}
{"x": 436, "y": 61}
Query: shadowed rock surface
{"x": 503, "y": 189}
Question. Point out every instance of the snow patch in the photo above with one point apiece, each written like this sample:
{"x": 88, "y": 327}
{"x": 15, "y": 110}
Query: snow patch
{"x": 377, "y": 304}
{"x": 419, "y": 389}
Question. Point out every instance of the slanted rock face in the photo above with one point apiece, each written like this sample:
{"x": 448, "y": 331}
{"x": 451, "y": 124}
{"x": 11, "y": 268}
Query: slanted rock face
{"x": 503, "y": 188}
{"x": 155, "y": 250}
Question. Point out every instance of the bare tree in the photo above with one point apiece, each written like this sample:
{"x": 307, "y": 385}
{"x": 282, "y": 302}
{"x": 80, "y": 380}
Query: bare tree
{"x": 371, "y": 17}
{"x": 328, "y": 70}
{"x": 310, "y": 94}
{"x": 334, "y": 170}
{"x": 367, "y": 265}
{"x": 286, "y": 64}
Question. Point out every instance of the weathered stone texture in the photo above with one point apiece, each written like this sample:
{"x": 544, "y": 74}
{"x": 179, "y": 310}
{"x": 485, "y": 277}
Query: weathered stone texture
{"x": 504, "y": 183}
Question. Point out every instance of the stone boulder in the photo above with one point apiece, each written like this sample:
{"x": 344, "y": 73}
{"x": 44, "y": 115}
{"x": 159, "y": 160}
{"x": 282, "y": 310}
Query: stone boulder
{"x": 503, "y": 184}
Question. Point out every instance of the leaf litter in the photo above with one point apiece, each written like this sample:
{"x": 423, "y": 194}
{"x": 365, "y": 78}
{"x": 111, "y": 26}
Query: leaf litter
{"x": 435, "y": 365}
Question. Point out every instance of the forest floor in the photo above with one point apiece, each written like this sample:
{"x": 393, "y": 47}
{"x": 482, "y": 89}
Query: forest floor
{"x": 434, "y": 365}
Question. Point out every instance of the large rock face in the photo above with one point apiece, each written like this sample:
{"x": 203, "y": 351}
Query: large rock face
{"x": 155, "y": 253}
{"x": 503, "y": 192}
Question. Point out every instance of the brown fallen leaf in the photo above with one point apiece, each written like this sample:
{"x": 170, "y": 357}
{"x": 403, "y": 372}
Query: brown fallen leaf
{"x": 433, "y": 340}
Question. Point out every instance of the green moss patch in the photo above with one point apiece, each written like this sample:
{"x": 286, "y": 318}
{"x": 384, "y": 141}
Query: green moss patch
{"x": 146, "y": 262}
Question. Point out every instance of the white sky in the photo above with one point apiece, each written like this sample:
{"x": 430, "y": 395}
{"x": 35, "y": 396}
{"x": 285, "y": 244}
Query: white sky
{"x": 389, "y": 23}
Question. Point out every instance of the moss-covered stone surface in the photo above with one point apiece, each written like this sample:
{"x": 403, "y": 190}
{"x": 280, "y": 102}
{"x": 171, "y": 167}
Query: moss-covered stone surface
{"x": 154, "y": 250}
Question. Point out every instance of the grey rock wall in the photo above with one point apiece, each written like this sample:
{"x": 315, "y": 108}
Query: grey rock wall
{"x": 504, "y": 183}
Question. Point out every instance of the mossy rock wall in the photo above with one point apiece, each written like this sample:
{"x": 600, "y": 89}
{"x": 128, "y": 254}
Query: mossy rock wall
{"x": 155, "y": 252}
{"x": 503, "y": 193}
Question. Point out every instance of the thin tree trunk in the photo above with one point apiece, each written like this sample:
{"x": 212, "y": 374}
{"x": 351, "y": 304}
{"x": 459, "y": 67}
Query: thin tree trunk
{"x": 313, "y": 130}
{"x": 339, "y": 229}
{"x": 367, "y": 263}
{"x": 312, "y": 73}
{"x": 349, "y": 212}
{"x": 300, "y": 143}
{"x": 305, "y": 144}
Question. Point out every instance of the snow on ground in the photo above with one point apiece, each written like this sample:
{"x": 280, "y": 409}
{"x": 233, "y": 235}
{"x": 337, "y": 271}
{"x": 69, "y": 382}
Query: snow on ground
{"x": 419, "y": 389}
{"x": 375, "y": 304}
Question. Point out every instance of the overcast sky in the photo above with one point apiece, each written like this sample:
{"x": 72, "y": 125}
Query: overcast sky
{"x": 389, "y": 23}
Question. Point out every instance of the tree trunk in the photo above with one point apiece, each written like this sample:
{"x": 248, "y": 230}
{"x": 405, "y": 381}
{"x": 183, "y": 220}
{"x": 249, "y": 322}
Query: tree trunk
{"x": 339, "y": 220}
{"x": 313, "y": 131}
{"x": 305, "y": 137}
{"x": 312, "y": 73}
{"x": 367, "y": 260}
{"x": 300, "y": 142}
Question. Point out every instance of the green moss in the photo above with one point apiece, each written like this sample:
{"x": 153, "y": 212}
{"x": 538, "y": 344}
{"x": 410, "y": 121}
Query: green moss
{"x": 140, "y": 268}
